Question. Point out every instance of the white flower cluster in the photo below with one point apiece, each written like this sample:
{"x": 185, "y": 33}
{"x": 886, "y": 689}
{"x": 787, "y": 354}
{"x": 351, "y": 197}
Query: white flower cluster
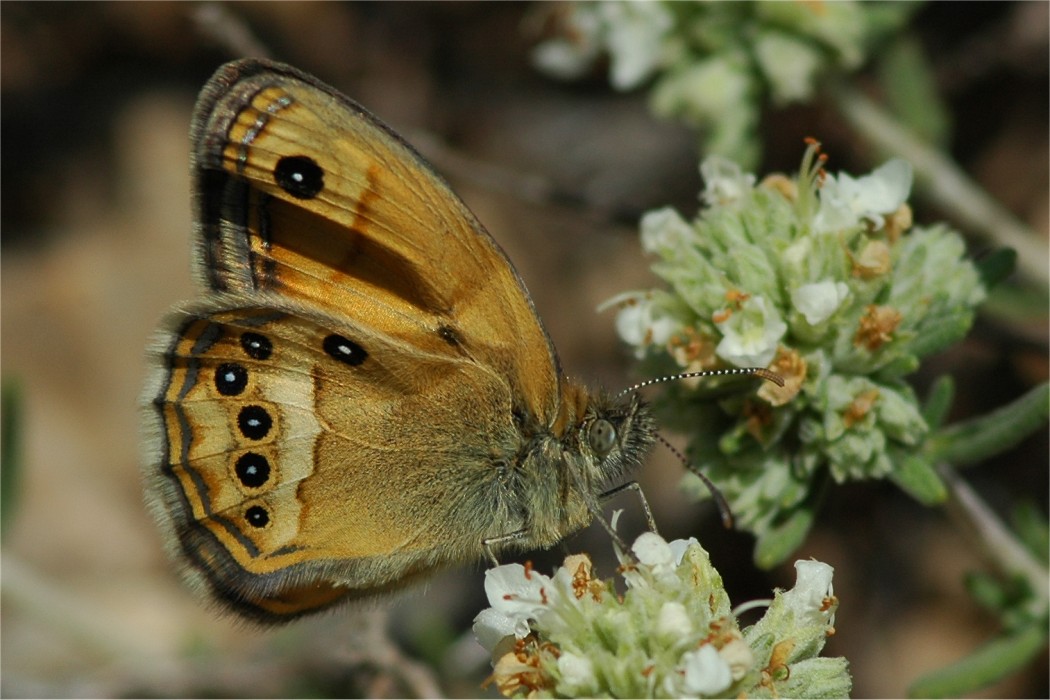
{"x": 823, "y": 280}
{"x": 633, "y": 35}
{"x": 753, "y": 329}
{"x": 671, "y": 634}
{"x": 714, "y": 65}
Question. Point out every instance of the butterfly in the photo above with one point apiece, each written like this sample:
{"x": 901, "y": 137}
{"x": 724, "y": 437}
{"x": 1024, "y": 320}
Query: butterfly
{"x": 363, "y": 392}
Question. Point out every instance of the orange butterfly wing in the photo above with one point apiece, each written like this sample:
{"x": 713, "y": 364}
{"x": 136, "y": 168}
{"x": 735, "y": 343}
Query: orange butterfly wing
{"x": 289, "y": 478}
{"x": 314, "y": 220}
{"x": 357, "y": 225}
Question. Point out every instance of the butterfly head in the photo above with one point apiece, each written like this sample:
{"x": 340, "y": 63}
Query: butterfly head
{"x": 605, "y": 436}
{"x": 619, "y": 433}
{"x": 609, "y": 434}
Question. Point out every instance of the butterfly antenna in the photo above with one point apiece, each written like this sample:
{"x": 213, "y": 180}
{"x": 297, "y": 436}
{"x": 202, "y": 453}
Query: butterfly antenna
{"x": 720, "y": 500}
{"x": 754, "y": 371}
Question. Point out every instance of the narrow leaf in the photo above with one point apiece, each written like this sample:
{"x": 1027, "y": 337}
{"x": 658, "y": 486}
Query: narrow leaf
{"x": 920, "y": 480}
{"x": 911, "y": 91}
{"x": 988, "y": 664}
{"x": 997, "y": 266}
{"x": 10, "y": 450}
{"x": 778, "y": 543}
{"x": 939, "y": 401}
{"x": 975, "y": 440}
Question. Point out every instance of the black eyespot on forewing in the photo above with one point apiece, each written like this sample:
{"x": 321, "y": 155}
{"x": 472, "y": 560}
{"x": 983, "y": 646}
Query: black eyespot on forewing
{"x": 344, "y": 350}
{"x": 256, "y": 345}
{"x": 299, "y": 176}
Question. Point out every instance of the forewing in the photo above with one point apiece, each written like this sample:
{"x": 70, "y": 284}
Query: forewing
{"x": 301, "y": 191}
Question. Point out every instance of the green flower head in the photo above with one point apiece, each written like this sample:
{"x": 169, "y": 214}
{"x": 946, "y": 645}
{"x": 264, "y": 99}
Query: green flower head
{"x": 714, "y": 64}
{"x": 822, "y": 279}
{"x": 672, "y": 633}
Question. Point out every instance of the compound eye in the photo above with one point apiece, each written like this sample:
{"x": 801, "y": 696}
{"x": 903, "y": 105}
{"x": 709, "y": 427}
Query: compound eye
{"x": 601, "y": 436}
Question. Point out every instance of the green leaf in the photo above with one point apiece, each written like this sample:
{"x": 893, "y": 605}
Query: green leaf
{"x": 939, "y": 401}
{"x": 1017, "y": 304}
{"x": 777, "y": 544}
{"x": 996, "y": 266}
{"x": 1033, "y": 529}
{"x": 941, "y": 330}
{"x": 887, "y": 18}
{"x": 974, "y": 440}
{"x": 901, "y": 366}
{"x": 10, "y": 450}
{"x": 986, "y": 590}
{"x": 1010, "y": 598}
{"x": 920, "y": 480}
{"x": 988, "y": 664}
{"x": 911, "y": 91}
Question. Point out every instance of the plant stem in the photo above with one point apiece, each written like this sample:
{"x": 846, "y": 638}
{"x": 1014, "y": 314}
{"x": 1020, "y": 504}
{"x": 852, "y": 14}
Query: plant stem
{"x": 999, "y": 544}
{"x": 945, "y": 183}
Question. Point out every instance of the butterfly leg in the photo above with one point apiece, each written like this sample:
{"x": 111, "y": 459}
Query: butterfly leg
{"x": 633, "y": 486}
{"x": 488, "y": 543}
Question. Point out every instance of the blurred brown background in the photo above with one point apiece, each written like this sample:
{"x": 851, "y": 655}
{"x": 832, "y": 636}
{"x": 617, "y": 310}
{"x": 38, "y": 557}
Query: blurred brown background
{"x": 96, "y": 99}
